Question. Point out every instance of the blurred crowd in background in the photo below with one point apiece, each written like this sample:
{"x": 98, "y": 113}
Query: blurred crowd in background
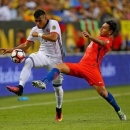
{"x": 71, "y": 11}
{"x": 65, "y": 10}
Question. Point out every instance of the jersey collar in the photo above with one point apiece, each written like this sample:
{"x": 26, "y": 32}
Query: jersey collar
{"x": 46, "y": 24}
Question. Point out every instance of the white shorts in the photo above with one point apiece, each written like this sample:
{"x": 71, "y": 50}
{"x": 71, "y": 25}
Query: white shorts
{"x": 41, "y": 60}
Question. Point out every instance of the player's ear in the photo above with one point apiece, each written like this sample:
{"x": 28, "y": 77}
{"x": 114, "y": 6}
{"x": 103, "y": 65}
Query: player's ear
{"x": 45, "y": 17}
{"x": 110, "y": 32}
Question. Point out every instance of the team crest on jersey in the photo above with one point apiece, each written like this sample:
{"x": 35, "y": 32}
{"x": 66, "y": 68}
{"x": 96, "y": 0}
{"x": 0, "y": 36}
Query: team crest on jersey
{"x": 107, "y": 41}
{"x": 53, "y": 27}
{"x": 47, "y": 30}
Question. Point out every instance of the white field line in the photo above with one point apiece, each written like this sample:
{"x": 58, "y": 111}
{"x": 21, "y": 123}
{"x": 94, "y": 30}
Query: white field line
{"x": 70, "y": 100}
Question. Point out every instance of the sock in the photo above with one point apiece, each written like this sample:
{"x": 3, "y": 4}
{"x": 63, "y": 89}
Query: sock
{"x": 59, "y": 96}
{"x": 21, "y": 88}
{"x": 26, "y": 71}
{"x": 112, "y": 101}
{"x": 53, "y": 74}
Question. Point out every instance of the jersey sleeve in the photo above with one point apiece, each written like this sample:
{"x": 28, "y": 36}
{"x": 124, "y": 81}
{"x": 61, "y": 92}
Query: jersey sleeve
{"x": 55, "y": 27}
{"x": 30, "y": 37}
{"x": 108, "y": 42}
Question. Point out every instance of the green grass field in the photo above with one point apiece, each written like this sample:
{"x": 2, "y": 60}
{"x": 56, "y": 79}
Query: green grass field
{"x": 83, "y": 110}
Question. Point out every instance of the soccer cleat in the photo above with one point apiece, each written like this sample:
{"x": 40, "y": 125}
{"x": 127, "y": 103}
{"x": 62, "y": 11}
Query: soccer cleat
{"x": 121, "y": 115}
{"x": 18, "y": 90}
{"x": 39, "y": 84}
{"x": 59, "y": 115}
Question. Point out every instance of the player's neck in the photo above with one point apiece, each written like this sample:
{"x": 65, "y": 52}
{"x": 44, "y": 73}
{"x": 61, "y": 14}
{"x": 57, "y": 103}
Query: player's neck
{"x": 46, "y": 24}
{"x": 108, "y": 36}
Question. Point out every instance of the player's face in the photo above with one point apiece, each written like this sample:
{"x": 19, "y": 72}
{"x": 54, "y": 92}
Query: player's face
{"x": 41, "y": 21}
{"x": 105, "y": 30}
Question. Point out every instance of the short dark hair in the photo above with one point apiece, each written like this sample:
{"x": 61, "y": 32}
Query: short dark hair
{"x": 113, "y": 25}
{"x": 38, "y": 13}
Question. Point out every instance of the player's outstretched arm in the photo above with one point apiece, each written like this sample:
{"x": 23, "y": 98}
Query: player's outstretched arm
{"x": 95, "y": 40}
{"x": 24, "y": 47}
{"x": 3, "y": 51}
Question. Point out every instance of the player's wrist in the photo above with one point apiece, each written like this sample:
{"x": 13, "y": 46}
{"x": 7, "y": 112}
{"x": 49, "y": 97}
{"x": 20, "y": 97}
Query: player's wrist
{"x": 40, "y": 35}
{"x": 89, "y": 36}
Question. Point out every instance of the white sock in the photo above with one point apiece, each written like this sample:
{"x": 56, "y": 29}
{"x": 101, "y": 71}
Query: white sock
{"x": 59, "y": 96}
{"x": 26, "y": 71}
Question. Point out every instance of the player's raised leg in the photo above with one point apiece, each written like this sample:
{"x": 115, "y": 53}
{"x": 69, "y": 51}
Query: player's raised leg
{"x": 110, "y": 99}
{"x": 55, "y": 76}
{"x": 25, "y": 73}
{"x": 51, "y": 75}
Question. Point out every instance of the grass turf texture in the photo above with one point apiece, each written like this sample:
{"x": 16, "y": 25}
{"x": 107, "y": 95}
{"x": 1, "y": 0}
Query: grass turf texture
{"x": 82, "y": 109}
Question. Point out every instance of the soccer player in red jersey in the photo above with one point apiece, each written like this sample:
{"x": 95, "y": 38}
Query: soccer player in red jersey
{"x": 89, "y": 66}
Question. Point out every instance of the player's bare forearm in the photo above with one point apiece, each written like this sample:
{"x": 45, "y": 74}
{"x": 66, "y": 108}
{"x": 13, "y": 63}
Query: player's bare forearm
{"x": 98, "y": 41}
{"x": 49, "y": 37}
{"x": 24, "y": 46}
{"x": 95, "y": 40}
{"x": 4, "y": 51}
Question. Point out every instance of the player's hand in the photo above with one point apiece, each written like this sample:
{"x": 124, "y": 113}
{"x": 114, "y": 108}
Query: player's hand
{"x": 86, "y": 34}
{"x": 3, "y": 51}
{"x": 35, "y": 34}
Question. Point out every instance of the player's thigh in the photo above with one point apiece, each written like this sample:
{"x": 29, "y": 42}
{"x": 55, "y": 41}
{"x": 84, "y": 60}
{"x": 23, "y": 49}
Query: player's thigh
{"x": 93, "y": 76}
{"x": 39, "y": 60}
{"x": 52, "y": 62}
{"x": 101, "y": 90}
{"x": 74, "y": 69}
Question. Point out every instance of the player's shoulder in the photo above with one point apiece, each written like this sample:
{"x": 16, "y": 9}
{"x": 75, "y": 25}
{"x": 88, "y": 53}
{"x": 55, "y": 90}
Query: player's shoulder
{"x": 34, "y": 28}
{"x": 53, "y": 21}
{"x": 105, "y": 38}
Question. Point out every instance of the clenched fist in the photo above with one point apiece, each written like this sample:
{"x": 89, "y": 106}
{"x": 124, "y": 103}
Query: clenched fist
{"x": 86, "y": 34}
{"x": 35, "y": 34}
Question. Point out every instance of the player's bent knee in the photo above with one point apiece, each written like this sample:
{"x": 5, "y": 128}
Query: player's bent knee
{"x": 29, "y": 62}
{"x": 101, "y": 91}
{"x": 59, "y": 66}
{"x": 63, "y": 68}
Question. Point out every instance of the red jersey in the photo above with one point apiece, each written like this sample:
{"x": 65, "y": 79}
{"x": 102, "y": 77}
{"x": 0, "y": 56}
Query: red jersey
{"x": 95, "y": 52}
{"x": 117, "y": 42}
